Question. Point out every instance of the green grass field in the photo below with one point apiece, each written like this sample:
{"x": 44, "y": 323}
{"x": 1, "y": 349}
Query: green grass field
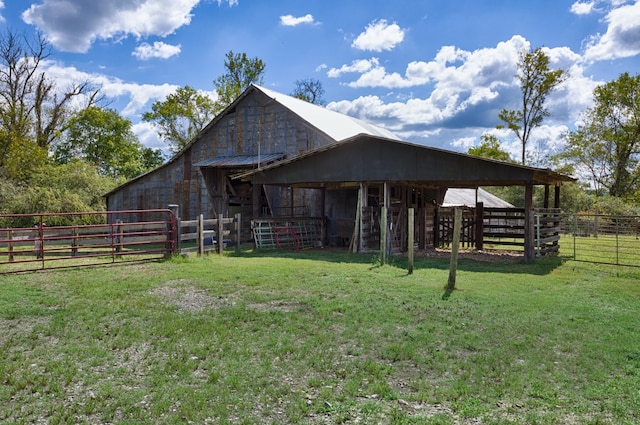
{"x": 321, "y": 337}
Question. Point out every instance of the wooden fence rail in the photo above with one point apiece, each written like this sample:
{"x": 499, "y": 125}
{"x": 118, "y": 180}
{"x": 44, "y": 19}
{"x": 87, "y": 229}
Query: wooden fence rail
{"x": 203, "y": 235}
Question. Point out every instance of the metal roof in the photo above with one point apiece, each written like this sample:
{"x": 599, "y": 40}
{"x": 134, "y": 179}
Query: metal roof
{"x": 336, "y": 125}
{"x": 240, "y": 160}
{"x": 369, "y": 158}
{"x": 467, "y": 197}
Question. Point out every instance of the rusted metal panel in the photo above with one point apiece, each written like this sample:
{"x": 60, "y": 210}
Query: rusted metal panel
{"x": 369, "y": 159}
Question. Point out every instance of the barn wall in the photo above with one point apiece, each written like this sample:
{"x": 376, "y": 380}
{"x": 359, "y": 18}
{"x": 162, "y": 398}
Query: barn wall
{"x": 256, "y": 124}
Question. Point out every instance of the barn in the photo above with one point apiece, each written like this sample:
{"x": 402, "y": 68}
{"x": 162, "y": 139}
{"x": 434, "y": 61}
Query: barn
{"x": 271, "y": 155}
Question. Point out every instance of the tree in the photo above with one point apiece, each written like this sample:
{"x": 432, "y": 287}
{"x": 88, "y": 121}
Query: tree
{"x": 537, "y": 81}
{"x": 181, "y": 116}
{"x": 607, "y": 144}
{"x": 241, "y": 73}
{"x": 105, "y": 139}
{"x": 489, "y": 147}
{"x": 310, "y": 90}
{"x": 32, "y": 109}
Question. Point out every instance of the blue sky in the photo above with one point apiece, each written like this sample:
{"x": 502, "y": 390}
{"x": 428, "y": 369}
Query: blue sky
{"x": 433, "y": 72}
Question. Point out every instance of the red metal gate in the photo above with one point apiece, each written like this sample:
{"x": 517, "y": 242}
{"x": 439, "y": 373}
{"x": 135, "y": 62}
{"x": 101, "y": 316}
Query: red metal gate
{"x": 31, "y": 242}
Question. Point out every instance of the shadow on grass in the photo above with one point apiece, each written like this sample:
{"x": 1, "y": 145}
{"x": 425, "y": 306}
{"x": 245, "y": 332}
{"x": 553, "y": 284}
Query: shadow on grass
{"x": 487, "y": 263}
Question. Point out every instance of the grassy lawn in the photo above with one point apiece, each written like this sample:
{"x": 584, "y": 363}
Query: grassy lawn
{"x": 321, "y": 337}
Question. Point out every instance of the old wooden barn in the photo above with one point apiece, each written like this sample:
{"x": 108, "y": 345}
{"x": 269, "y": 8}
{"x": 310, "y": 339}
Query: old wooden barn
{"x": 269, "y": 156}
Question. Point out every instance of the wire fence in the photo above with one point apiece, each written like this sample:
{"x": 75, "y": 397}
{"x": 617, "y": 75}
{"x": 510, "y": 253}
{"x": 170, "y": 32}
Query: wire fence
{"x": 604, "y": 239}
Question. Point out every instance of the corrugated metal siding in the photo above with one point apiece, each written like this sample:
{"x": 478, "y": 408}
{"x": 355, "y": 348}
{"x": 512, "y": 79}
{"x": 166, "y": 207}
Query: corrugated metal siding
{"x": 255, "y": 121}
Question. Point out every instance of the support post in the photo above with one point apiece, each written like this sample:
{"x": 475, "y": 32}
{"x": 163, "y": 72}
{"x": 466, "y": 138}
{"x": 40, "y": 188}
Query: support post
{"x": 479, "y": 226}
{"x": 238, "y": 230}
{"x": 455, "y": 244}
{"x": 410, "y": 238}
{"x": 356, "y": 236}
{"x": 383, "y": 235}
{"x": 529, "y": 224}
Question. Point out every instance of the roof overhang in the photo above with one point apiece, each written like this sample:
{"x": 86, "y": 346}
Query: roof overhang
{"x": 240, "y": 161}
{"x": 373, "y": 159}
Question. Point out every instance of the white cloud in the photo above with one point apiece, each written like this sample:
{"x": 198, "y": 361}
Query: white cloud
{"x": 583, "y": 8}
{"x": 73, "y": 25}
{"x": 231, "y": 2}
{"x": 159, "y": 49}
{"x": 379, "y": 36}
{"x": 133, "y": 96}
{"x": 622, "y": 38}
{"x": 464, "y": 91}
{"x": 1, "y": 7}
{"x": 357, "y": 66}
{"x": 292, "y": 21}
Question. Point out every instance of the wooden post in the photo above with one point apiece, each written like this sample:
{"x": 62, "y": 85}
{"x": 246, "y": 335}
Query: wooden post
{"x": 356, "y": 236}
{"x": 455, "y": 244}
{"x": 529, "y": 225}
{"x": 238, "y": 230}
{"x": 220, "y": 232}
{"x": 383, "y": 235}
{"x": 545, "y": 203}
{"x": 201, "y": 233}
{"x": 436, "y": 227}
{"x": 410, "y": 238}
{"x": 175, "y": 228}
{"x": 480, "y": 226}
{"x": 256, "y": 192}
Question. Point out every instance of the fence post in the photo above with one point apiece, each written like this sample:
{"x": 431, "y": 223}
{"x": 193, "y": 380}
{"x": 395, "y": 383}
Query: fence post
{"x": 455, "y": 245}
{"x": 200, "y": 234}
{"x": 174, "y": 230}
{"x": 238, "y": 230}
{"x": 383, "y": 235}
{"x": 220, "y": 233}
{"x": 538, "y": 234}
{"x": 410, "y": 238}
{"x": 479, "y": 226}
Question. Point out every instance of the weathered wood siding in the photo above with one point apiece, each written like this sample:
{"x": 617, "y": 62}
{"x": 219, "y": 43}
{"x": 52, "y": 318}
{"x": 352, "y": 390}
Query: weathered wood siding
{"x": 255, "y": 125}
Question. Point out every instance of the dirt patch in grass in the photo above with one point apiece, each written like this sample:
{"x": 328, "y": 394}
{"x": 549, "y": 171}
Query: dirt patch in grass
{"x": 189, "y": 298}
{"x": 496, "y": 256}
{"x": 278, "y": 305}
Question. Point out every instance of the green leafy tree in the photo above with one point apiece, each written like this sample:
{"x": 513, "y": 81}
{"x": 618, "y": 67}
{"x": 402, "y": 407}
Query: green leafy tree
{"x": 310, "y": 90}
{"x": 537, "y": 81}
{"x": 33, "y": 110}
{"x": 241, "y": 72}
{"x": 104, "y": 138}
{"x": 607, "y": 144}
{"x": 489, "y": 147}
{"x": 181, "y": 116}
{"x": 72, "y": 187}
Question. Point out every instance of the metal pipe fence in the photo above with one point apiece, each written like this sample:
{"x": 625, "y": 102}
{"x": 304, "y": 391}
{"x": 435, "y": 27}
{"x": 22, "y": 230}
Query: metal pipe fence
{"x": 30, "y": 242}
{"x": 604, "y": 239}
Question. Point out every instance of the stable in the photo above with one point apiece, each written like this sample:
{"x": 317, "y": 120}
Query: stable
{"x": 360, "y": 176}
{"x": 280, "y": 162}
